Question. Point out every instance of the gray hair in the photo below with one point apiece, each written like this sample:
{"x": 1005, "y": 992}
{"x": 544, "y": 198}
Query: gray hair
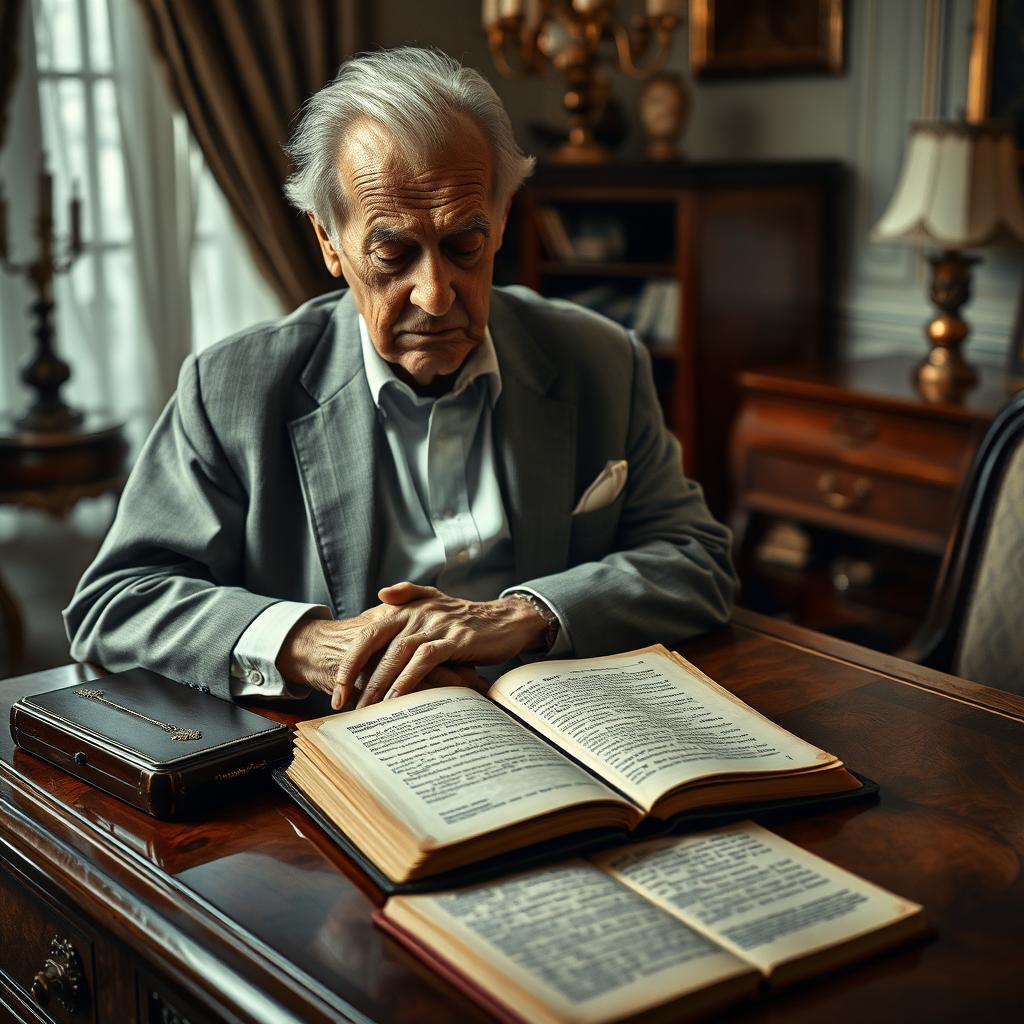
{"x": 415, "y": 94}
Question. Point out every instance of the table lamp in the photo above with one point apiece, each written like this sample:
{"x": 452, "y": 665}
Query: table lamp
{"x": 958, "y": 190}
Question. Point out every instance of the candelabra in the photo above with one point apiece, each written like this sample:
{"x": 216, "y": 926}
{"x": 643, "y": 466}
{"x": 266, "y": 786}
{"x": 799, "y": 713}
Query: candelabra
{"x": 46, "y": 373}
{"x": 569, "y": 34}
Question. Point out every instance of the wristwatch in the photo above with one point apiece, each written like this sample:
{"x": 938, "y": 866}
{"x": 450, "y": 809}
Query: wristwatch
{"x": 551, "y": 625}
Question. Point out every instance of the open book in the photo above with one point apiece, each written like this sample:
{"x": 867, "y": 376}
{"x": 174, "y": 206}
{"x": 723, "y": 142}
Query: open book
{"x": 656, "y": 931}
{"x": 439, "y": 779}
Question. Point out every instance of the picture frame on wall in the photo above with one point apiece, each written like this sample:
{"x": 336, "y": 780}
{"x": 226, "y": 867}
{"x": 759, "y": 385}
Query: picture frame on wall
{"x": 995, "y": 81}
{"x": 731, "y": 38}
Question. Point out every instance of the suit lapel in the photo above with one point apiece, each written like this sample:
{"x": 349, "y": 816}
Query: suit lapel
{"x": 335, "y": 452}
{"x": 536, "y": 439}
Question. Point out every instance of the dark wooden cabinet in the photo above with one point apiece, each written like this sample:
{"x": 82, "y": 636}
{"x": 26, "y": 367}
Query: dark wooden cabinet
{"x": 870, "y": 471}
{"x": 747, "y": 251}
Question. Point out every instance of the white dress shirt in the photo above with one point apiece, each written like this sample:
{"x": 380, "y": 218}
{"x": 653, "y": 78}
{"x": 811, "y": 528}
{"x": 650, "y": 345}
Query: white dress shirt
{"x": 442, "y": 518}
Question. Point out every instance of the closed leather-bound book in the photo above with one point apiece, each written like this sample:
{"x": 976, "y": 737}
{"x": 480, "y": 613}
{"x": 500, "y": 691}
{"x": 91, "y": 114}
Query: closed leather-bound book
{"x": 158, "y": 745}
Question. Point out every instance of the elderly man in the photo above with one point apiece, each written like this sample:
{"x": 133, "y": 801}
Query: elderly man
{"x": 415, "y": 476}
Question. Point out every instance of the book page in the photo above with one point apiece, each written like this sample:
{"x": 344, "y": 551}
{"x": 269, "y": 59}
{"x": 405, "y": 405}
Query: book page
{"x": 645, "y": 723}
{"x": 571, "y": 936}
{"x": 764, "y": 898}
{"x": 452, "y": 765}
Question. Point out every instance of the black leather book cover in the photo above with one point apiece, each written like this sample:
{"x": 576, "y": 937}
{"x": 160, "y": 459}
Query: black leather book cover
{"x": 154, "y": 743}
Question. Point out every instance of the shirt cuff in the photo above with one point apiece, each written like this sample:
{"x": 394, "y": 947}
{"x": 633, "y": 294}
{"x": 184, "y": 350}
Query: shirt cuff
{"x": 563, "y": 641}
{"x": 253, "y": 669}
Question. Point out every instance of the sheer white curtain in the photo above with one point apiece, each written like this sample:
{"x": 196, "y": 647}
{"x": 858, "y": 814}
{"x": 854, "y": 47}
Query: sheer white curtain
{"x": 165, "y": 271}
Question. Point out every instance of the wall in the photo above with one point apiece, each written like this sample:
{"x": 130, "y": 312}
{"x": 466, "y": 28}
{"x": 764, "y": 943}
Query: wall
{"x": 905, "y": 60}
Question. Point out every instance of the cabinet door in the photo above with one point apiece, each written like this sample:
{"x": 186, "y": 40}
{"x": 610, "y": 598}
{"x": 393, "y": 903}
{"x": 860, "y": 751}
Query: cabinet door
{"x": 47, "y": 957}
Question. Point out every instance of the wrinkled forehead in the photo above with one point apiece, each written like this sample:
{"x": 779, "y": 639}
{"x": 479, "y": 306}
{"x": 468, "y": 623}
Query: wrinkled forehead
{"x": 379, "y": 176}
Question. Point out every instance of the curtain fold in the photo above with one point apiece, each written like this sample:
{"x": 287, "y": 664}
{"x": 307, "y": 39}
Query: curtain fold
{"x": 239, "y": 73}
{"x": 10, "y": 37}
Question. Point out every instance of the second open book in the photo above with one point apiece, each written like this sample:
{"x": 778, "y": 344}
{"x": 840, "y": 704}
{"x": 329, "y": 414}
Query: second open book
{"x": 438, "y": 779}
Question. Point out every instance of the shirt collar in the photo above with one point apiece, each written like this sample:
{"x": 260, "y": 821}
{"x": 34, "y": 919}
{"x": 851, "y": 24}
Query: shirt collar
{"x": 482, "y": 362}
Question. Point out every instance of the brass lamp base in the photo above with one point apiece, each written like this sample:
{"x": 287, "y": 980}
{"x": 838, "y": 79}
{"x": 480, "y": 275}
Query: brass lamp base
{"x": 944, "y": 375}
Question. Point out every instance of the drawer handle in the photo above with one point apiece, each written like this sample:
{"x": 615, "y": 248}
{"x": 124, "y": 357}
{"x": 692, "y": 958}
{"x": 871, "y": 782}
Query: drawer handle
{"x": 842, "y": 501}
{"x": 855, "y": 428}
{"x": 61, "y": 976}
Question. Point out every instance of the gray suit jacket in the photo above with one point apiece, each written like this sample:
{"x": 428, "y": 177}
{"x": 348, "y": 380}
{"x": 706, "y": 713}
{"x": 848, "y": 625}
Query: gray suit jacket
{"x": 257, "y": 484}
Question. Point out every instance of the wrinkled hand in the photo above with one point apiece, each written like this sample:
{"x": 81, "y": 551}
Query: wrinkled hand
{"x": 416, "y": 636}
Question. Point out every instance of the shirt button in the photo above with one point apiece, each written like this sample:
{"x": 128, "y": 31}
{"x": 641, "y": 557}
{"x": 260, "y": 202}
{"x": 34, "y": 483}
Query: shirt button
{"x": 462, "y": 556}
{"x": 256, "y": 677}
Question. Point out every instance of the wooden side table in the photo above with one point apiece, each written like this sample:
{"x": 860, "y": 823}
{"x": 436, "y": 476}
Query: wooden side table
{"x": 52, "y": 472}
{"x": 870, "y": 471}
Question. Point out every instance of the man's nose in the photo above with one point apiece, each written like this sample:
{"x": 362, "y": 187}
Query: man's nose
{"x": 432, "y": 289}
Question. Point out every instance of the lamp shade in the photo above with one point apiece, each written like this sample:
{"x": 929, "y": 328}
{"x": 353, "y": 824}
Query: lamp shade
{"x": 958, "y": 189}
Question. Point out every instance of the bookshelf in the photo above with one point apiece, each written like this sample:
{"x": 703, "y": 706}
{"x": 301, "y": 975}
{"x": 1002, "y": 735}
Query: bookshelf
{"x": 741, "y": 254}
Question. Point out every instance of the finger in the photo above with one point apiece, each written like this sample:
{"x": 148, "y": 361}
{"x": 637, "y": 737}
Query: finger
{"x": 374, "y": 636}
{"x": 399, "y": 653}
{"x": 359, "y": 684}
{"x": 427, "y": 657}
{"x": 403, "y": 593}
{"x": 443, "y": 675}
{"x": 468, "y": 676}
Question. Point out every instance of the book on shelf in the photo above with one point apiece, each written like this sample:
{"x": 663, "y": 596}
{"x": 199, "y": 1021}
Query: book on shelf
{"x": 557, "y": 756}
{"x": 554, "y": 234}
{"x": 663, "y": 930}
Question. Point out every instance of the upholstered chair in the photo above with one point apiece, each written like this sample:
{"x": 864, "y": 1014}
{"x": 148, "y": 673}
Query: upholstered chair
{"x": 975, "y": 628}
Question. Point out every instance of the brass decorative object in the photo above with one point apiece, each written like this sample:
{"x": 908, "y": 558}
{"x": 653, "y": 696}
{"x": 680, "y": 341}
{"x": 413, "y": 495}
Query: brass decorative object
{"x": 46, "y": 373}
{"x": 570, "y": 35}
{"x": 176, "y": 731}
{"x": 664, "y": 110}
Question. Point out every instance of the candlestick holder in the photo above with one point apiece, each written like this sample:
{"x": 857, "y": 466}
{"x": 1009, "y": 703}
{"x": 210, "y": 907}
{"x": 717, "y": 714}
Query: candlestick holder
{"x": 571, "y": 35}
{"x": 46, "y": 373}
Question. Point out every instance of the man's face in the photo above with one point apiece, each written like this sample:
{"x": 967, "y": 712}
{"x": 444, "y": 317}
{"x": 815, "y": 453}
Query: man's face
{"x": 417, "y": 248}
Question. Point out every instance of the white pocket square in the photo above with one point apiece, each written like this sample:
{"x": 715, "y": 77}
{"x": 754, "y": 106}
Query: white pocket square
{"x": 605, "y": 488}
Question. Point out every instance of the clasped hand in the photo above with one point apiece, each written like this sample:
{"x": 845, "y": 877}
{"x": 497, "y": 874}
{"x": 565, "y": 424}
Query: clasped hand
{"x": 417, "y": 636}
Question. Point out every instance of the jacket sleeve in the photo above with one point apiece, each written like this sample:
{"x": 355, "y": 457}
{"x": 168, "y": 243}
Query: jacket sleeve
{"x": 670, "y": 575}
{"x": 161, "y": 592}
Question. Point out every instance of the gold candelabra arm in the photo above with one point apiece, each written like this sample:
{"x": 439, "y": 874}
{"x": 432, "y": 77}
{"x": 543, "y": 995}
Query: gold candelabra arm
{"x": 512, "y": 29}
{"x": 632, "y": 45}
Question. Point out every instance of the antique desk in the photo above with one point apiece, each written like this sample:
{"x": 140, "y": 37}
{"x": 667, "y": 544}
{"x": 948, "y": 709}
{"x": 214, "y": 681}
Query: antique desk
{"x": 254, "y": 916}
{"x": 870, "y": 471}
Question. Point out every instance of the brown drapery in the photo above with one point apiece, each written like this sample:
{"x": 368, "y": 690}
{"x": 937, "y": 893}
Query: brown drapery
{"x": 10, "y": 37}
{"x": 240, "y": 71}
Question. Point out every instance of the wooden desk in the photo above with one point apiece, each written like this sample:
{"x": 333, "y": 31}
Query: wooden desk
{"x": 256, "y": 917}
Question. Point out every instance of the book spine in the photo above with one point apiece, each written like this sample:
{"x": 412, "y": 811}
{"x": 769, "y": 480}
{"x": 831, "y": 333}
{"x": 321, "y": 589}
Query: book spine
{"x": 170, "y": 794}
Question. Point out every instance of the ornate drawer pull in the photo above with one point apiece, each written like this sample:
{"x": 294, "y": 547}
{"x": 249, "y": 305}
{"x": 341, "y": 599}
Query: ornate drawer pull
{"x": 61, "y": 976}
{"x": 839, "y": 500}
{"x": 855, "y": 428}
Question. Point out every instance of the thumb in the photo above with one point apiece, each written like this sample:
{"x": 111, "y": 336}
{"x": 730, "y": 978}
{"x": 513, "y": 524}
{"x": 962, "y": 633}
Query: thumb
{"x": 403, "y": 593}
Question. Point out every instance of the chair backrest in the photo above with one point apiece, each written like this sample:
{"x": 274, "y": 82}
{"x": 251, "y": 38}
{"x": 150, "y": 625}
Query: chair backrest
{"x": 975, "y": 627}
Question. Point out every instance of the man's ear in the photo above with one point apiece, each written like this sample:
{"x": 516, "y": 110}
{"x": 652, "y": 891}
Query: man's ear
{"x": 332, "y": 258}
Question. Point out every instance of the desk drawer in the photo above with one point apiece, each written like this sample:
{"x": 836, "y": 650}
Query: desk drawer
{"x": 857, "y": 501}
{"x": 45, "y": 957}
{"x": 928, "y": 449}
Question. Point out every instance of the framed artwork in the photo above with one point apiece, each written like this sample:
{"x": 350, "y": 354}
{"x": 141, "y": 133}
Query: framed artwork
{"x": 995, "y": 85}
{"x": 760, "y": 37}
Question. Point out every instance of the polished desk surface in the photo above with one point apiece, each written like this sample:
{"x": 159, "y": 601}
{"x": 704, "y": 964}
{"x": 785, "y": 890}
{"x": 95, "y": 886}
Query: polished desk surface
{"x": 257, "y": 905}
